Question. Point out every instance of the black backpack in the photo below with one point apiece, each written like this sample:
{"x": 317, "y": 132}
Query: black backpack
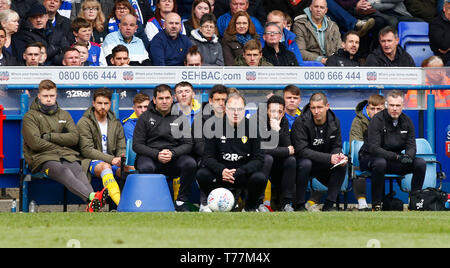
{"x": 390, "y": 203}
{"x": 430, "y": 199}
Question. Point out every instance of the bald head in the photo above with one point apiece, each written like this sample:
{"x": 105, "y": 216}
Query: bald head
{"x": 172, "y": 25}
{"x": 128, "y": 26}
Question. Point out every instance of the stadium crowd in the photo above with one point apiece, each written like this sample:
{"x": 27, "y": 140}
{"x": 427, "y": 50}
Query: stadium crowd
{"x": 219, "y": 33}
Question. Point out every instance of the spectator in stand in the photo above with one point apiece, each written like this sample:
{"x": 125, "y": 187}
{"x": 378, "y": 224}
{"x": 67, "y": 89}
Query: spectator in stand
{"x": 59, "y": 22}
{"x": 32, "y": 54}
{"x": 156, "y": 24}
{"x": 236, "y": 6}
{"x": 193, "y": 57}
{"x": 346, "y": 56}
{"x": 208, "y": 42}
{"x": 318, "y": 37}
{"x": 9, "y": 20}
{"x": 287, "y": 37}
{"x": 5, "y": 4}
{"x": 125, "y": 36}
{"x": 345, "y": 20}
{"x": 252, "y": 55}
{"x": 389, "y": 53}
{"x": 439, "y": 32}
{"x": 240, "y": 30}
{"x": 6, "y": 59}
{"x": 199, "y": 8}
{"x": 82, "y": 32}
{"x": 121, "y": 9}
{"x": 91, "y": 10}
{"x": 119, "y": 56}
{"x": 37, "y": 29}
{"x": 84, "y": 53}
{"x": 140, "y": 105}
{"x": 71, "y": 57}
{"x": 274, "y": 51}
{"x": 169, "y": 47}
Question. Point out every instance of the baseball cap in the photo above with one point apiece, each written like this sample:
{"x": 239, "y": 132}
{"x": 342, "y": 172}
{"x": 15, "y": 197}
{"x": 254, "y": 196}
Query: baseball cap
{"x": 36, "y": 9}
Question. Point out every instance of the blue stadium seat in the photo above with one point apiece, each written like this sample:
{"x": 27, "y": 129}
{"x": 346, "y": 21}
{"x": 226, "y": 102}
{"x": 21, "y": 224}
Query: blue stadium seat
{"x": 414, "y": 39}
{"x": 419, "y": 51}
{"x": 312, "y": 63}
{"x": 425, "y": 152}
{"x": 316, "y": 185}
{"x": 355, "y": 165}
{"x": 412, "y": 31}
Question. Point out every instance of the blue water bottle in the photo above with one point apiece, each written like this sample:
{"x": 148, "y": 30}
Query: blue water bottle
{"x": 14, "y": 205}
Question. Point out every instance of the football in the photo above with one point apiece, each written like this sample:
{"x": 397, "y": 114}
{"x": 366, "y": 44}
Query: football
{"x": 221, "y": 200}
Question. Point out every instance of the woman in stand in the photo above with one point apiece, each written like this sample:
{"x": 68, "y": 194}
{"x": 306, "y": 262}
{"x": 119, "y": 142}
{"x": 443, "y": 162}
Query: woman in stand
{"x": 240, "y": 30}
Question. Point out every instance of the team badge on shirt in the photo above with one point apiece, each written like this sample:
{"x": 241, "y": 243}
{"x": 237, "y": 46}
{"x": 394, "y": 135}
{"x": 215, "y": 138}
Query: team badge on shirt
{"x": 244, "y": 139}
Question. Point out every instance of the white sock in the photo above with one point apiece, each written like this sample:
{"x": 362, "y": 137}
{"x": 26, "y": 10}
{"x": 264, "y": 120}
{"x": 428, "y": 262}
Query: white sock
{"x": 362, "y": 203}
{"x": 179, "y": 203}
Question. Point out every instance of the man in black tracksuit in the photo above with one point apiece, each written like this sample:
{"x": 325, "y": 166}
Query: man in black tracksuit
{"x": 316, "y": 136}
{"x": 161, "y": 147}
{"x": 234, "y": 160}
{"x": 389, "y": 133}
{"x": 279, "y": 159}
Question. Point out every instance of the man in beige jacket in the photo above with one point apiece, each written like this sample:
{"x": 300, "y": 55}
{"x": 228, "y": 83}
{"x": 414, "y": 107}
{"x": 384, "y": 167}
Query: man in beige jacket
{"x": 318, "y": 37}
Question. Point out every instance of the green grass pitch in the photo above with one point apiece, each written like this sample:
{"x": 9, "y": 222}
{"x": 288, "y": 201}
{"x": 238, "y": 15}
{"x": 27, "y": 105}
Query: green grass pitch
{"x": 226, "y": 230}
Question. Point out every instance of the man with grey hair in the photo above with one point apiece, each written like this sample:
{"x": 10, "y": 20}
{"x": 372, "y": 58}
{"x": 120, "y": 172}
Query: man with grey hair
{"x": 275, "y": 51}
{"x": 316, "y": 136}
{"x": 169, "y": 47}
{"x": 390, "y": 132}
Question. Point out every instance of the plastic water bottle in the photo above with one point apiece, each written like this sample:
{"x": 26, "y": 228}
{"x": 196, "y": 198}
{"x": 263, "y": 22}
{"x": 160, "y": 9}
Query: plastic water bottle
{"x": 14, "y": 205}
{"x": 32, "y": 206}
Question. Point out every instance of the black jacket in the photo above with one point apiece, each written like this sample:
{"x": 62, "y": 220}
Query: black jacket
{"x": 283, "y": 58}
{"x": 402, "y": 59}
{"x": 439, "y": 33}
{"x": 304, "y": 137}
{"x": 341, "y": 58}
{"x": 54, "y": 40}
{"x": 234, "y": 151}
{"x": 269, "y": 136}
{"x": 155, "y": 132}
{"x": 203, "y": 126}
{"x": 10, "y": 60}
{"x": 385, "y": 140}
